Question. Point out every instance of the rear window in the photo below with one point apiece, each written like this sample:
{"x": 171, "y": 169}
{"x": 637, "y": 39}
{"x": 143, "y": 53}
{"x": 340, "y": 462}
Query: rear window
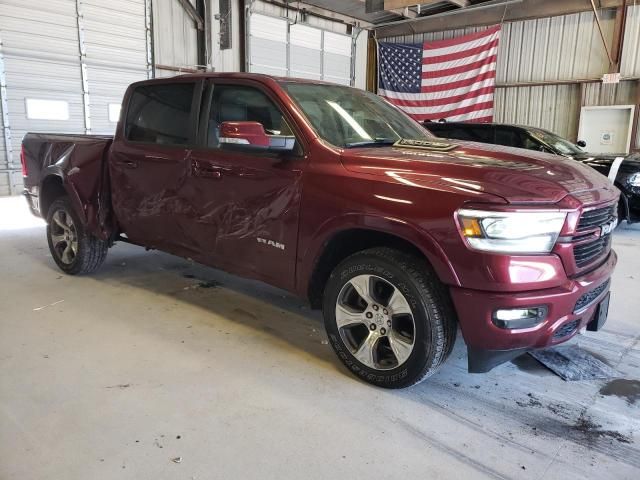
{"x": 160, "y": 114}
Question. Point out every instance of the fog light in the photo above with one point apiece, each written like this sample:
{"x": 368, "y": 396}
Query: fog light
{"x": 514, "y": 318}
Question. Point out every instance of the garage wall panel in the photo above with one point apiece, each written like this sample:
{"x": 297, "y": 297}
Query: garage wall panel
{"x": 279, "y": 44}
{"x": 41, "y": 59}
{"x": 553, "y": 107}
{"x": 116, "y": 54}
{"x": 45, "y": 44}
{"x": 599, "y": 94}
{"x": 558, "y": 48}
{"x": 268, "y": 45}
{"x": 337, "y": 58}
{"x": 175, "y": 35}
{"x": 630, "y": 62}
{"x": 305, "y": 52}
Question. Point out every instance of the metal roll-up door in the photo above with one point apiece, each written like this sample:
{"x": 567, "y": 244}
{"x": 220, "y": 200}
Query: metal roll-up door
{"x": 268, "y": 45}
{"x": 337, "y": 58}
{"x": 42, "y": 74}
{"x": 64, "y": 66}
{"x": 305, "y": 52}
{"x": 117, "y": 55}
{"x": 284, "y": 48}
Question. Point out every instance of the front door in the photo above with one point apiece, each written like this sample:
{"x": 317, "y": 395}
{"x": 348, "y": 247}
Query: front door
{"x": 249, "y": 200}
{"x": 149, "y": 166}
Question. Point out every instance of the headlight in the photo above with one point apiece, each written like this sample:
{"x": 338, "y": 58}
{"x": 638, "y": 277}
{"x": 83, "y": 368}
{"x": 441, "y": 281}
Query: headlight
{"x": 511, "y": 232}
{"x": 634, "y": 180}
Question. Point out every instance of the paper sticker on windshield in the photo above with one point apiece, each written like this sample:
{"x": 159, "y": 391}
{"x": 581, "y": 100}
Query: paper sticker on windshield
{"x": 425, "y": 145}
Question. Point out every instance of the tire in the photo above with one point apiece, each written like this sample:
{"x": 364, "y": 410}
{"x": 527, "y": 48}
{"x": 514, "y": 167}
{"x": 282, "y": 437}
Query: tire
{"x": 75, "y": 251}
{"x": 430, "y": 332}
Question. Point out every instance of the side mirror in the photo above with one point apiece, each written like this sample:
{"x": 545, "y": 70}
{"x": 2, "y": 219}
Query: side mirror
{"x": 251, "y": 135}
{"x": 581, "y": 143}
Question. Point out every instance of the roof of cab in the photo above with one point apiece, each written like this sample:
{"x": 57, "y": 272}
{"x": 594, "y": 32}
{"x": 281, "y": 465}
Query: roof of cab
{"x": 240, "y": 76}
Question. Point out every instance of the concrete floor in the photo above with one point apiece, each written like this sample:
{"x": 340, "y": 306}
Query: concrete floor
{"x": 154, "y": 358}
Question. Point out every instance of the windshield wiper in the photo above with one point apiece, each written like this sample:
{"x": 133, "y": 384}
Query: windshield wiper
{"x": 378, "y": 142}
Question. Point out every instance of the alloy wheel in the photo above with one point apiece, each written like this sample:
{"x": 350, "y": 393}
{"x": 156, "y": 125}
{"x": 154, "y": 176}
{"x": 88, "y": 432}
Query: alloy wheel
{"x": 64, "y": 236}
{"x": 375, "y": 322}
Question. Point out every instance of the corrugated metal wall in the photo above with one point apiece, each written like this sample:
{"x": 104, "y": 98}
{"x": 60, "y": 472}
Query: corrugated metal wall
{"x": 554, "y": 107}
{"x": 175, "y": 37}
{"x": 563, "y": 48}
{"x": 80, "y": 53}
{"x": 630, "y": 64}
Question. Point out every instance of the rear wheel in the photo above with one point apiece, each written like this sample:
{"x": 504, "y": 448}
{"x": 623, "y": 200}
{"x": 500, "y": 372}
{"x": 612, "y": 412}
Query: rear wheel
{"x": 388, "y": 317}
{"x": 75, "y": 251}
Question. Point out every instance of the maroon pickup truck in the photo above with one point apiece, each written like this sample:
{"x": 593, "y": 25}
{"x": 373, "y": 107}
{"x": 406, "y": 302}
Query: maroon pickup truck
{"x": 333, "y": 194}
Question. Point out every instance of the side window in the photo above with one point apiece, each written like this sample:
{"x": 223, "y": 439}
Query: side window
{"x": 508, "y": 137}
{"x": 481, "y": 133}
{"x": 531, "y": 144}
{"x": 232, "y": 103}
{"x": 160, "y": 114}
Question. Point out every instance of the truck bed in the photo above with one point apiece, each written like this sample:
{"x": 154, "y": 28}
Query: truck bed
{"x": 78, "y": 164}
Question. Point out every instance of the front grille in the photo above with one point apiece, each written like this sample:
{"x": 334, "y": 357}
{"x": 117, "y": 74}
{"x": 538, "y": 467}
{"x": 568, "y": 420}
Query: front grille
{"x": 587, "y": 299}
{"x": 596, "y": 218}
{"x": 586, "y": 253}
{"x": 566, "y": 329}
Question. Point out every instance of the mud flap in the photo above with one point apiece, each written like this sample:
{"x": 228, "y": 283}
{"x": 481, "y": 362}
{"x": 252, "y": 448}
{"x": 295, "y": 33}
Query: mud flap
{"x": 483, "y": 361}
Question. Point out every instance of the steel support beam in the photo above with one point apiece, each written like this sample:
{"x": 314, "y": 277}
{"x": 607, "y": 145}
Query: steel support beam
{"x": 86, "y": 101}
{"x": 492, "y": 13}
{"x": 148, "y": 28}
{"x": 6, "y": 128}
{"x": 193, "y": 13}
{"x": 391, "y": 4}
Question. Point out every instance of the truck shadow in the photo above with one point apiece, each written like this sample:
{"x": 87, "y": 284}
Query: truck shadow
{"x": 226, "y": 297}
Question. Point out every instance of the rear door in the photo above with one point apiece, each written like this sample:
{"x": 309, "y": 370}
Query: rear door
{"x": 148, "y": 164}
{"x": 248, "y": 209}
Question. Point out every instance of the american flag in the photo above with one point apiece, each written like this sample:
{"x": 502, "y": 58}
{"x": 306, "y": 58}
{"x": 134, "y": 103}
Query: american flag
{"x": 451, "y": 79}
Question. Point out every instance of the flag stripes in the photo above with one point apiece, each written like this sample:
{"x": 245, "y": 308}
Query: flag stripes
{"x": 456, "y": 78}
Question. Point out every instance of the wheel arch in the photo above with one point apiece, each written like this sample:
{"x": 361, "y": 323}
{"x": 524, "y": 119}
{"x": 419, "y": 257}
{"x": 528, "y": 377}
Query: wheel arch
{"x": 51, "y": 188}
{"x": 339, "y": 243}
{"x": 623, "y": 202}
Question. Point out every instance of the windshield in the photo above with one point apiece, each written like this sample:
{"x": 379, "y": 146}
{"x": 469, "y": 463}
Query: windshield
{"x": 348, "y": 117}
{"x": 559, "y": 144}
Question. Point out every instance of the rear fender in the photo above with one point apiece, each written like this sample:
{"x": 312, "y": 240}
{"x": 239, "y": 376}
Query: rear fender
{"x": 84, "y": 175}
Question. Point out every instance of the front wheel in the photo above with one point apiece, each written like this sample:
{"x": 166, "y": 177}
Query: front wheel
{"x": 75, "y": 251}
{"x": 388, "y": 317}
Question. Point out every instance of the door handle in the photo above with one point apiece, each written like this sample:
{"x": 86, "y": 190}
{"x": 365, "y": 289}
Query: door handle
{"x": 128, "y": 163}
{"x": 204, "y": 170}
{"x": 156, "y": 157}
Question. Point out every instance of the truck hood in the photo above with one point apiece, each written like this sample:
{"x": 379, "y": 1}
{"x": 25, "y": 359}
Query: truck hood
{"x": 518, "y": 176}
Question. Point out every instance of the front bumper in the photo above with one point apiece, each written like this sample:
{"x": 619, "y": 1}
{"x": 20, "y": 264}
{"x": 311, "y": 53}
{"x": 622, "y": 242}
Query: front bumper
{"x": 490, "y": 345}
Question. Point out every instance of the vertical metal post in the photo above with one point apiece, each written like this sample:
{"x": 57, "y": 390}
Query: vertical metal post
{"x": 148, "y": 41}
{"x": 247, "y": 34}
{"x": 83, "y": 68}
{"x": 288, "y": 45}
{"x": 355, "y": 32}
{"x": 6, "y": 129}
{"x": 321, "y": 54}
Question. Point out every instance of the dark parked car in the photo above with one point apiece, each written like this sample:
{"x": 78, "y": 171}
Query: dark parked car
{"x": 624, "y": 172}
{"x": 333, "y": 194}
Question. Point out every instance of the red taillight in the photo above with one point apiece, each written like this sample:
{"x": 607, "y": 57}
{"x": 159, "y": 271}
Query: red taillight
{"x": 23, "y": 161}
